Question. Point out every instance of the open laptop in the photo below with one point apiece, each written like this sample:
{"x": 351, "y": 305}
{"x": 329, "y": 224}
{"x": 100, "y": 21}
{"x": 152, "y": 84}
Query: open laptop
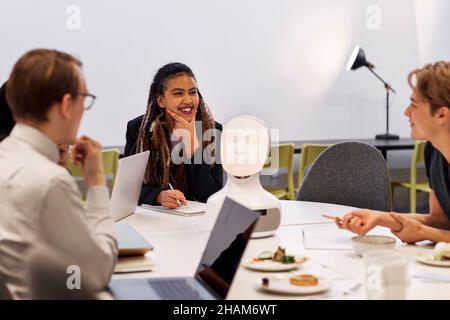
{"x": 216, "y": 269}
{"x": 128, "y": 184}
{"x": 124, "y": 200}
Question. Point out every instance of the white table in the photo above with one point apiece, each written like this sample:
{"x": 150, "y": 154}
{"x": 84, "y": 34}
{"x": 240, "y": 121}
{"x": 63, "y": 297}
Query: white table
{"x": 179, "y": 243}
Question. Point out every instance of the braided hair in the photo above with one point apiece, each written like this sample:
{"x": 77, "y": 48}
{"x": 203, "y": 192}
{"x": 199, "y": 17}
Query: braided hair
{"x": 154, "y": 132}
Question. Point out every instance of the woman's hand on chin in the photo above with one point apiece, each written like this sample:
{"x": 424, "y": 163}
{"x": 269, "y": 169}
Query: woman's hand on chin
{"x": 185, "y": 131}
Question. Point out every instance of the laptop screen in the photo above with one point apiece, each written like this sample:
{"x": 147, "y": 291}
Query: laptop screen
{"x": 225, "y": 247}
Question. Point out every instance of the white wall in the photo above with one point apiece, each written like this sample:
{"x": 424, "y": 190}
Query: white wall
{"x": 280, "y": 60}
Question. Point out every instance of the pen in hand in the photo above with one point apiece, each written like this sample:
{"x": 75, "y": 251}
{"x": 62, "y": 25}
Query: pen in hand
{"x": 171, "y": 188}
{"x": 329, "y": 216}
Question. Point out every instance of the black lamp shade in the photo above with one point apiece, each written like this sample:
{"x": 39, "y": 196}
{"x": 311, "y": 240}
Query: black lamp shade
{"x": 357, "y": 59}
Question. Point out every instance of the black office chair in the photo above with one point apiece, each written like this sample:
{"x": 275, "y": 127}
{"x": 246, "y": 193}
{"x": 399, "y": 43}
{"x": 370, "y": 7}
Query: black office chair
{"x": 349, "y": 173}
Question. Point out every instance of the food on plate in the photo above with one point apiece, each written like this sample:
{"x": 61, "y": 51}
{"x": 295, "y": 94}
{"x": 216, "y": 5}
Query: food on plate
{"x": 278, "y": 256}
{"x": 304, "y": 280}
{"x": 266, "y": 255}
{"x": 265, "y": 282}
{"x": 442, "y": 251}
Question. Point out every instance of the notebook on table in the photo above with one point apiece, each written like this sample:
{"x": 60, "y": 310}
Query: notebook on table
{"x": 130, "y": 242}
{"x": 131, "y": 264}
{"x": 192, "y": 208}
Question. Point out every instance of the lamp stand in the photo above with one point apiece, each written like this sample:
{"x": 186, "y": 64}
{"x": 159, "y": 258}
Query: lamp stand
{"x": 387, "y": 135}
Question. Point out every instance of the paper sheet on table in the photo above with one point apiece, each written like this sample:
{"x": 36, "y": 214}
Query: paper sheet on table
{"x": 431, "y": 276}
{"x": 320, "y": 239}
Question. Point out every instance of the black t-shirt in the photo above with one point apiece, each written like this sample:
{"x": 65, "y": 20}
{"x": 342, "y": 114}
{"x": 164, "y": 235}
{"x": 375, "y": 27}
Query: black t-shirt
{"x": 6, "y": 118}
{"x": 438, "y": 173}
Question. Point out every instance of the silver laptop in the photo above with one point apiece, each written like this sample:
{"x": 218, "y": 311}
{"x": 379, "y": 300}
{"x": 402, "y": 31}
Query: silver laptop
{"x": 217, "y": 267}
{"x": 128, "y": 184}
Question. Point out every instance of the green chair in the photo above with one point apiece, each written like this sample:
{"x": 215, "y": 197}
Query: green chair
{"x": 286, "y": 160}
{"x": 309, "y": 153}
{"x": 413, "y": 185}
{"x": 110, "y": 159}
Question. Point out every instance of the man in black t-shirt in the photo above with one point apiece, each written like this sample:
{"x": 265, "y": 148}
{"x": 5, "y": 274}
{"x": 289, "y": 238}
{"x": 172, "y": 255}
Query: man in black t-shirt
{"x": 429, "y": 116}
{"x": 438, "y": 173}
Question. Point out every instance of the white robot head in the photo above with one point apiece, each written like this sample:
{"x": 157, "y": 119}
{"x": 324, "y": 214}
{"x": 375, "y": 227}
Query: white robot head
{"x": 245, "y": 146}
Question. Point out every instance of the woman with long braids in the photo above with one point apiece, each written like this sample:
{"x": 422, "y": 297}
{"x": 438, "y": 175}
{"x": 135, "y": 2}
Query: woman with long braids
{"x": 183, "y": 139}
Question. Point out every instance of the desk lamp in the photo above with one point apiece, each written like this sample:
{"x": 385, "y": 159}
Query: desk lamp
{"x": 245, "y": 145}
{"x": 358, "y": 59}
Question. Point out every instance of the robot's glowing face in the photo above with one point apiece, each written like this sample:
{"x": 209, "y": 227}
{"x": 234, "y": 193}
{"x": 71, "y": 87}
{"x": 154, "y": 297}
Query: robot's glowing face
{"x": 245, "y": 145}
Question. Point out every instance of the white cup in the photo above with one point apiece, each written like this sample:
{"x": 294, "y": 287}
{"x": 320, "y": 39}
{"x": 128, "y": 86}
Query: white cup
{"x": 386, "y": 275}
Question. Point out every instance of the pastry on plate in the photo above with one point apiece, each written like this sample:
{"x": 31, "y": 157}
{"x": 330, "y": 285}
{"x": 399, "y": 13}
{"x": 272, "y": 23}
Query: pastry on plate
{"x": 442, "y": 251}
{"x": 304, "y": 280}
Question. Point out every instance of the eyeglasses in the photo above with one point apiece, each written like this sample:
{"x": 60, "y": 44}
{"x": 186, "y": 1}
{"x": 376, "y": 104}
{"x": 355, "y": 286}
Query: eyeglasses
{"x": 89, "y": 99}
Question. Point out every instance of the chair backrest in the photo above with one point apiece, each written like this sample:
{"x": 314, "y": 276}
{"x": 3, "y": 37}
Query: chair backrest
{"x": 418, "y": 157}
{"x": 110, "y": 164}
{"x": 349, "y": 173}
{"x": 309, "y": 153}
{"x": 285, "y": 160}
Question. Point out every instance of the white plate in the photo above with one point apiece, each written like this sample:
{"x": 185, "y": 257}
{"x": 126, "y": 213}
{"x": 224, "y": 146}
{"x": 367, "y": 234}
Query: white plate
{"x": 429, "y": 259}
{"x": 285, "y": 287}
{"x": 269, "y": 265}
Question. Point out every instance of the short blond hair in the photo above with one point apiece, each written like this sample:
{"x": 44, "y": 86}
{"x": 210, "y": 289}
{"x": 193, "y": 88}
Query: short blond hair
{"x": 433, "y": 84}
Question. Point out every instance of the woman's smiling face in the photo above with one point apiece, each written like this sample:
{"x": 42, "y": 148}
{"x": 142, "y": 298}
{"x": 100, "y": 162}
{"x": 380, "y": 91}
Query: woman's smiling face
{"x": 181, "y": 96}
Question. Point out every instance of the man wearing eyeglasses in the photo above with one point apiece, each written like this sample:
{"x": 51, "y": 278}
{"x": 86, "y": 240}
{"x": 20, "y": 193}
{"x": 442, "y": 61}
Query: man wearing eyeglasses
{"x": 40, "y": 203}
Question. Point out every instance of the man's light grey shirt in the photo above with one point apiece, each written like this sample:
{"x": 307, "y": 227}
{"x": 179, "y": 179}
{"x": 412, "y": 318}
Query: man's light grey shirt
{"x": 40, "y": 203}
